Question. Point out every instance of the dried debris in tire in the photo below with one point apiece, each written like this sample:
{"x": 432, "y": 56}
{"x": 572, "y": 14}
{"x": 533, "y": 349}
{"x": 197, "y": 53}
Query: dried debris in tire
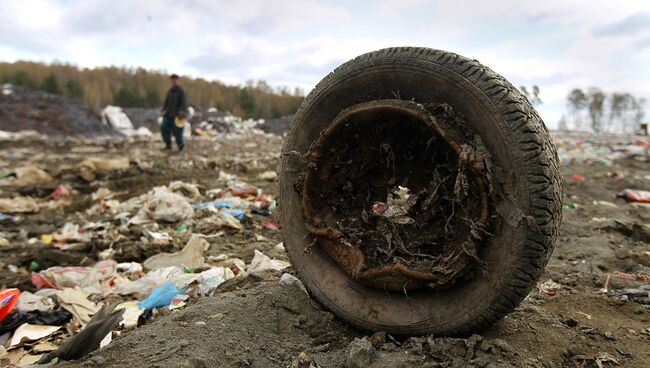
{"x": 398, "y": 194}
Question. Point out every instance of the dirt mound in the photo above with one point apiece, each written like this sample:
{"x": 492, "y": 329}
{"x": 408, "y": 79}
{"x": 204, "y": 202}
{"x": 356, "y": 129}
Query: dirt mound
{"x": 277, "y": 126}
{"x": 143, "y": 117}
{"x": 239, "y": 328}
{"x": 49, "y": 114}
{"x": 269, "y": 324}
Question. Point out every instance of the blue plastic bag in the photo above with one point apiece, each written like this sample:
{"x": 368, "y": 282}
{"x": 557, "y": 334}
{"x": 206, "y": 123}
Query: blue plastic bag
{"x": 160, "y": 297}
{"x": 217, "y": 204}
{"x": 238, "y": 214}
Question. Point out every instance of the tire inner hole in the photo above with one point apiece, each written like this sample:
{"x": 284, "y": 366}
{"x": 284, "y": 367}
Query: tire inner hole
{"x": 395, "y": 189}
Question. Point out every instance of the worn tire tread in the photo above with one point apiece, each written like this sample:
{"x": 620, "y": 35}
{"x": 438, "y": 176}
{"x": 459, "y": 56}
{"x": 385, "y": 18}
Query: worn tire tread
{"x": 537, "y": 150}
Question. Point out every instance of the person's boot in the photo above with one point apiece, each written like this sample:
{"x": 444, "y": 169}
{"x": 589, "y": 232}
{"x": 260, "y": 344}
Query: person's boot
{"x": 180, "y": 147}
{"x": 167, "y": 148}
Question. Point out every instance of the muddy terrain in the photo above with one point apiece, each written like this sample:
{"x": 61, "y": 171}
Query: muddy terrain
{"x": 588, "y": 310}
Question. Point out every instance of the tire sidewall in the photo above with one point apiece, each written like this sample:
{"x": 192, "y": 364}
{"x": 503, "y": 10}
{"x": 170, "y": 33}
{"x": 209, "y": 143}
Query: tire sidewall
{"x": 424, "y": 81}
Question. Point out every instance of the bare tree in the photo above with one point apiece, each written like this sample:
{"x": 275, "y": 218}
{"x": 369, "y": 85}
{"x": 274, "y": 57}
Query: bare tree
{"x": 617, "y": 103}
{"x": 639, "y": 111}
{"x": 561, "y": 125}
{"x": 532, "y": 96}
{"x": 577, "y": 100}
{"x": 595, "y": 106}
{"x": 536, "y": 99}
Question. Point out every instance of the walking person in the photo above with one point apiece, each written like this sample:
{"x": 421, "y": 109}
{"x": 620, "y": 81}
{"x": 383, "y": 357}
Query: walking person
{"x": 174, "y": 112}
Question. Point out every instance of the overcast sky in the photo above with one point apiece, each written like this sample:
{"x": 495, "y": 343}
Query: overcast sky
{"x": 557, "y": 45}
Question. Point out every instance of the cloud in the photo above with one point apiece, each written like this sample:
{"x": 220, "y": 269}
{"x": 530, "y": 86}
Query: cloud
{"x": 297, "y": 42}
{"x": 630, "y": 25}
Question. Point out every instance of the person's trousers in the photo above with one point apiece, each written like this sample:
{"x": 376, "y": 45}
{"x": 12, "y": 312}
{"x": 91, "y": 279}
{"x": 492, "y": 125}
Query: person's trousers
{"x": 167, "y": 129}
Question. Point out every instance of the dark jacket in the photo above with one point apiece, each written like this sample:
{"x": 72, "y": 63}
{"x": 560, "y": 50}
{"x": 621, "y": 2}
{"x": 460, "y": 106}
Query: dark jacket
{"x": 175, "y": 103}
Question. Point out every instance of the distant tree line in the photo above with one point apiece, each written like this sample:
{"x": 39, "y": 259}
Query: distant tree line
{"x": 603, "y": 112}
{"x": 613, "y": 112}
{"x": 138, "y": 87}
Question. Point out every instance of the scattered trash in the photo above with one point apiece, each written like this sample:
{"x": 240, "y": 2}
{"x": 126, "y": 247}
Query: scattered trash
{"x": 289, "y": 279}
{"x": 642, "y": 291}
{"x": 164, "y": 206}
{"x": 102, "y": 193}
{"x": 190, "y": 256}
{"x": 270, "y": 225}
{"x": 89, "y": 168}
{"x": 633, "y": 276}
{"x": 178, "y": 301}
{"x": 632, "y": 195}
{"x": 159, "y": 239}
{"x": 54, "y": 317}
{"x": 549, "y": 287}
{"x": 605, "y": 204}
{"x": 262, "y": 262}
{"x": 186, "y": 189}
{"x": 244, "y": 192}
{"x": 14, "y": 219}
{"x": 28, "y": 332}
{"x": 618, "y": 175}
{"x": 143, "y": 286}
{"x": 76, "y": 302}
{"x": 227, "y": 220}
{"x": 29, "y": 176}
{"x": 115, "y": 117}
{"x": 19, "y": 204}
{"x": 70, "y": 236}
{"x": 268, "y": 175}
{"x": 160, "y": 297}
{"x": 209, "y": 280}
{"x": 61, "y": 192}
{"x": 61, "y": 277}
{"x": 132, "y": 313}
{"x": 28, "y": 302}
{"x": 55, "y": 231}
{"x": 8, "y": 299}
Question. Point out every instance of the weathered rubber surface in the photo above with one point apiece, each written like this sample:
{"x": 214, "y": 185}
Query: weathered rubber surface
{"x": 520, "y": 144}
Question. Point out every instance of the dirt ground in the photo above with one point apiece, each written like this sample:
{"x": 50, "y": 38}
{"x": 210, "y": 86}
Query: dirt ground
{"x": 258, "y": 322}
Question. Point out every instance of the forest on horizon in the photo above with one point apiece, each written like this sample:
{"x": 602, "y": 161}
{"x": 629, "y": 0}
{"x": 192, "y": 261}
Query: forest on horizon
{"x": 139, "y": 87}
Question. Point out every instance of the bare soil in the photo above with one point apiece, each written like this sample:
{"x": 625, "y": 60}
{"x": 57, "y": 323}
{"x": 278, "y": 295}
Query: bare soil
{"x": 258, "y": 322}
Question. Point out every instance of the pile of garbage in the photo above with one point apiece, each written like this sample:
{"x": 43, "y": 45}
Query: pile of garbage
{"x": 580, "y": 148}
{"x": 48, "y": 323}
{"x": 109, "y": 296}
{"x": 51, "y": 114}
{"x": 117, "y": 119}
{"x": 213, "y": 122}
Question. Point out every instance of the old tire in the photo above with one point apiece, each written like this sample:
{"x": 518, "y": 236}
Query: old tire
{"x": 515, "y": 254}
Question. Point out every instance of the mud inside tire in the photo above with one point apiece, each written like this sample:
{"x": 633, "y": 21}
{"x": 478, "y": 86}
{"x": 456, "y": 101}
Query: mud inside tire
{"x": 524, "y": 191}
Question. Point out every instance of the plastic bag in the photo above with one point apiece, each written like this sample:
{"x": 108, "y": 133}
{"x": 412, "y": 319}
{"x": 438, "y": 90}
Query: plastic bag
{"x": 144, "y": 285}
{"x": 632, "y": 195}
{"x": 190, "y": 256}
{"x": 61, "y": 277}
{"x": 160, "y": 297}
{"x": 211, "y": 279}
{"x": 164, "y": 206}
{"x": 262, "y": 262}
